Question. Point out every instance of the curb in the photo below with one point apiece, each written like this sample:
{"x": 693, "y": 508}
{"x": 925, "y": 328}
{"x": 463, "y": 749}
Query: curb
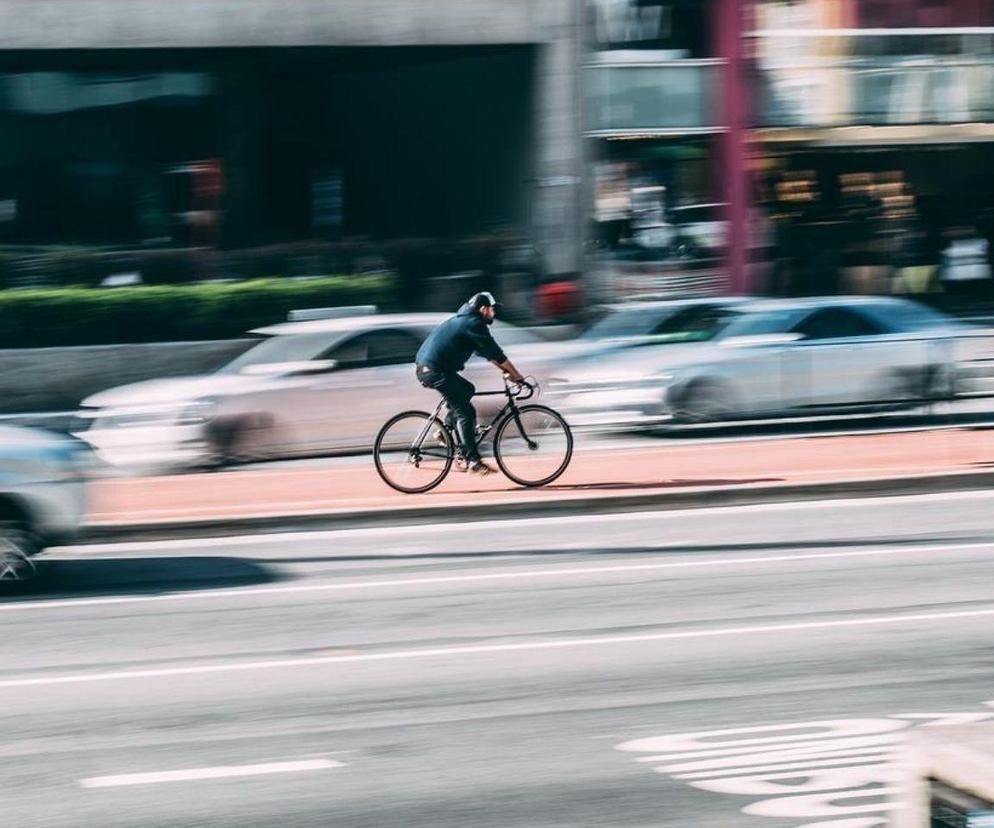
{"x": 509, "y": 509}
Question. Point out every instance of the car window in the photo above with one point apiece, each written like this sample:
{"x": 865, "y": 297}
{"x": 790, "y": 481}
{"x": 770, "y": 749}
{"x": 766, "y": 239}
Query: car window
{"x": 695, "y": 215}
{"x": 836, "y": 323}
{"x": 282, "y": 348}
{"x": 510, "y": 335}
{"x": 903, "y": 315}
{"x": 376, "y": 348}
{"x": 760, "y": 323}
{"x": 633, "y": 321}
{"x": 698, "y": 323}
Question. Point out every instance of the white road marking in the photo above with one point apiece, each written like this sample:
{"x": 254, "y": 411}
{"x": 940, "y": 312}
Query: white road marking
{"x": 480, "y": 649}
{"x": 362, "y": 532}
{"x": 839, "y": 772}
{"x": 483, "y": 526}
{"x": 484, "y": 577}
{"x": 219, "y": 772}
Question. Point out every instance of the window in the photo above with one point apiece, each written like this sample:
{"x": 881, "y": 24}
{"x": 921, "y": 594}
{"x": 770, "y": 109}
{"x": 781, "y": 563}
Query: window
{"x": 510, "y": 335}
{"x": 836, "y": 323}
{"x": 635, "y": 321}
{"x": 700, "y": 323}
{"x": 281, "y": 348}
{"x": 376, "y": 348}
{"x": 760, "y": 323}
{"x": 903, "y": 315}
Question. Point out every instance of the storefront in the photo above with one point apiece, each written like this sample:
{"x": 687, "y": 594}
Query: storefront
{"x": 263, "y": 147}
{"x": 873, "y": 145}
{"x": 654, "y": 127}
{"x": 878, "y": 219}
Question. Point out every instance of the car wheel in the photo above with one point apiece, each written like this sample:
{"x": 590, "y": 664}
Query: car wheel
{"x": 236, "y": 440}
{"x": 895, "y": 391}
{"x": 17, "y": 550}
{"x": 940, "y": 384}
{"x": 704, "y": 402}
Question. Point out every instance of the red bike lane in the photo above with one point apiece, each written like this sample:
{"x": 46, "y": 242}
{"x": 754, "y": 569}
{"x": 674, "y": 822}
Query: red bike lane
{"x": 593, "y": 475}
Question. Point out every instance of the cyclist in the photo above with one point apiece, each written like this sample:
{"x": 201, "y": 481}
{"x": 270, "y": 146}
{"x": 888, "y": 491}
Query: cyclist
{"x": 443, "y": 355}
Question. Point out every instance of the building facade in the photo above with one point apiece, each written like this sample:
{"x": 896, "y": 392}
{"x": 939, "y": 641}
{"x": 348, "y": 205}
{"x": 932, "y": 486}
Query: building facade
{"x": 843, "y": 145}
{"x": 657, "y": 131}
{"x": 244, "y": 124}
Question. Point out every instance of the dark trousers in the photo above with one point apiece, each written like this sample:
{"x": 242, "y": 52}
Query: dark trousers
{"x": 458, "y": 394}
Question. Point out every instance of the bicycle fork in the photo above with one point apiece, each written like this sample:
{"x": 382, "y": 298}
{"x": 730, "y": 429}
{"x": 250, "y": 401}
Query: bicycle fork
{"x": 532, "y": 445}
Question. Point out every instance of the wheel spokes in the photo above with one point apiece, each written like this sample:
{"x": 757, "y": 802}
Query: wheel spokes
{"x": 535, "y": 446}
{"x": 413, "y": 453}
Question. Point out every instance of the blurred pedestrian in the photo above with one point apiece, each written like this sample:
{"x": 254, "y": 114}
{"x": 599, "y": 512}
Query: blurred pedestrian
{"x": 965, "y": 268}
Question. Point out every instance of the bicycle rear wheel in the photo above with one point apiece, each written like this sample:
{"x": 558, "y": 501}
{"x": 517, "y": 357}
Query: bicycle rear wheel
{"x": 534, "y": 448}
{"x": 413, "y": 452}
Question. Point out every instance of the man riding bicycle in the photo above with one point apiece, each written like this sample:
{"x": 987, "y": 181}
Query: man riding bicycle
{"x": 444, "y": 354}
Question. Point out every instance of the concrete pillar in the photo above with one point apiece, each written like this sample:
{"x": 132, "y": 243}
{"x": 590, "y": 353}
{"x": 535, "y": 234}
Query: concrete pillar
{"x": 557, "y": 201}
{"x": 242, "y": 124}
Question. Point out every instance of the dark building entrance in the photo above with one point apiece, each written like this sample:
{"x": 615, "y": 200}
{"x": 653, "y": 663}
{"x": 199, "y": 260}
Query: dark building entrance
{"x": 243, "y": 147}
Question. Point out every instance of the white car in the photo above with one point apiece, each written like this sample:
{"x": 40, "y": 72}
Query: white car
{"x": 42, "y": 496}
{"x": 700, "y": 228}
{"x": 768, "y": 358}
{"x": 307, "y": 388}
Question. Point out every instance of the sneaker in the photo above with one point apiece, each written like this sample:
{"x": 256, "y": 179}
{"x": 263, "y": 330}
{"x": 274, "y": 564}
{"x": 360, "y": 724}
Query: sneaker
{"x": 480, "y": 469}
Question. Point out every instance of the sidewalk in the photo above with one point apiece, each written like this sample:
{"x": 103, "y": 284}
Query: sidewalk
{"x": 684, "y": 474}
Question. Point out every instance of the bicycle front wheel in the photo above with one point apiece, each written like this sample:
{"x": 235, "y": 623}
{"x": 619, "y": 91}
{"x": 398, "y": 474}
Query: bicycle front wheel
{"x": 534, "y": 447}
{"x": 413, "y": 452}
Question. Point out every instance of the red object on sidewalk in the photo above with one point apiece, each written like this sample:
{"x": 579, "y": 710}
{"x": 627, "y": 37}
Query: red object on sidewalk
{"x": 592, "y": 475}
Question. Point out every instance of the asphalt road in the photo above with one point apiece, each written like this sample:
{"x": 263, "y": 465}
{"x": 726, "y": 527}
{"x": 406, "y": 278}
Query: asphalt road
{"x": 527, "y": 673}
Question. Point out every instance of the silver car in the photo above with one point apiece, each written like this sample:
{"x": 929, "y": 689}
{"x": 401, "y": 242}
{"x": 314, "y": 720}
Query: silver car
{"x": 307, "y": 388}
{"x": 642, "y": 323}
{"x": 42, "y": 496}
{"x": 770, "y": 358}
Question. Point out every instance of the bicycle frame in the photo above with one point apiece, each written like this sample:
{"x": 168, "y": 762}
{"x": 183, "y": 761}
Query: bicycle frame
{"x": 510, "y": 408}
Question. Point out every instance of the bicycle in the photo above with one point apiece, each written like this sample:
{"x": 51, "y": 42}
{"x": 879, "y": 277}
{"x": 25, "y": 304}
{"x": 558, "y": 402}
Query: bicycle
{"x": 533, "y": 444}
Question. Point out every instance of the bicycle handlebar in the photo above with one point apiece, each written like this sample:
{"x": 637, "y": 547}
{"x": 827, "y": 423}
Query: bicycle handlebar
{"x": 521, "y": 390}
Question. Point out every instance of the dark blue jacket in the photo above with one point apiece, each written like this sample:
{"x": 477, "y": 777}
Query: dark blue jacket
{"x": 454, "y": 341}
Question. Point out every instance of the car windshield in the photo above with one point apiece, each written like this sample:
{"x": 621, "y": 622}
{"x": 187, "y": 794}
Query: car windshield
{"x": 284, "y": 348}
{"x": 699, "y": 323}
{"x": 761, "y": 323}
{"x": 633, "y": 321}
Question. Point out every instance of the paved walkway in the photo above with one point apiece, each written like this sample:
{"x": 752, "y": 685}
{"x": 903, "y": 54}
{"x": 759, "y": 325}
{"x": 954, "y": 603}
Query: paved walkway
{"x": 593, "y": 474}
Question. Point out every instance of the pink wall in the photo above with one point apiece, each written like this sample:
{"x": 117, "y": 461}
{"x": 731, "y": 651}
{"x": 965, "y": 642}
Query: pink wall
{"x": 911, "y": 13}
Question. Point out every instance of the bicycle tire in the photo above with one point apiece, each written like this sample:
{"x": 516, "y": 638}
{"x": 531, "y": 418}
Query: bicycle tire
{"x": 499, "y": 446}
{"x": 446, "y": 458}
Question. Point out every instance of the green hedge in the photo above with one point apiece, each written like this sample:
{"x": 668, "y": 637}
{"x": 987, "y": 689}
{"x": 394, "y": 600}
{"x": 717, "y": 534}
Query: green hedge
{"x": 103, "y": 316}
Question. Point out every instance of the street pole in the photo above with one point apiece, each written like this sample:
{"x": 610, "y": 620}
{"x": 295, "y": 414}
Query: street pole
{"x": 729, "y": 37}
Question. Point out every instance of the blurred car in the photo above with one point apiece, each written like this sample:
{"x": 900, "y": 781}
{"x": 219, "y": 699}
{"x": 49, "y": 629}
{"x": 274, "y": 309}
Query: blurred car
{"x": 699, "y": 229}
{"x": 768, "y": 358}
{"x": 42, "y": 496}
{"x": 634, "y": 323}
{"x": 307, "y": 388}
